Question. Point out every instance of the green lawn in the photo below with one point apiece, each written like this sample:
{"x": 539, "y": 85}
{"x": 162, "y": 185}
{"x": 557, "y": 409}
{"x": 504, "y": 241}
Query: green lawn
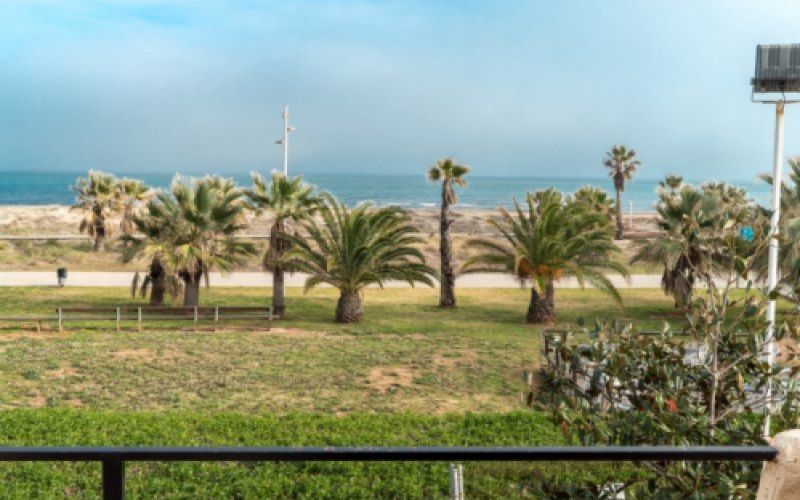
{"x": 410, "y": 374}
{"x": 408, "y": 355}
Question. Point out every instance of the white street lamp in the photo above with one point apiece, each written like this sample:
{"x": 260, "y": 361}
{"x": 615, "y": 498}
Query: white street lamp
{"x": 777, "y": 72}
{"x": 285, "y": 140}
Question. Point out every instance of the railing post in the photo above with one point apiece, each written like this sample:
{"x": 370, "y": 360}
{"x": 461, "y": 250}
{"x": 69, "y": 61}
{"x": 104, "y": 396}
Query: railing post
{"x": 60, "y": 320}
{"x": 139, "y": 318}
{"x": 113, "y": 480}
{"x": 195, "y": 318}
{"x": 119, "y": 318}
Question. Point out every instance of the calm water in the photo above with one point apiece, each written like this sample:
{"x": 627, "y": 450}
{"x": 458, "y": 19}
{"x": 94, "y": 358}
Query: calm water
{"x": 36, "y": 188}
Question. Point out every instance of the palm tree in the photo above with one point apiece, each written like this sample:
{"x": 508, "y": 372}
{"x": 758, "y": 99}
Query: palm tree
{"x": 157, "y": 278}
{"x": 450, "y": 174}
{"x": 97, "y": 196}
{"x": 622, "y": 164}
{"x": 693, "y": 222}
{"x": 789, "y": 263}
{"x": 194, "y": 229}
{"x": 133, "y": 194}
{"x": 350, "y": 249}
{"x": 546, "y": 242}
{"x": 287, "y": 201}
{"x": 596, "y": 199}
{"x": 671, "y": 184}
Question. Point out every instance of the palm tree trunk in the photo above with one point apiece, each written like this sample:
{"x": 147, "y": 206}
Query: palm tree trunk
{"x": 619, "y": 232}
{"x": 542, "y": 308}
{"x": 99, "y": 230}
{"x": 278, "y": 291}
{"x": 191, "y": 287}
{"x": 158, "y": 282}
{"x": 447, "y": 293}
{"x": 348, "y": 309}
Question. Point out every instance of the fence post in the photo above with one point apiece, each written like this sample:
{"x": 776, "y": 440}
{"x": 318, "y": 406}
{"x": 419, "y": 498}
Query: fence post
{"x": 269, "y": 318}
{"x": 456, "y": 482}
{"x": 139, "y": 318}
{"x": 113, "y": 480}
{"x": 60, "y": 320}
{"x": 118, "y": 319}
{"x": 216, "y": 314}
{"x": 195, "y": 318}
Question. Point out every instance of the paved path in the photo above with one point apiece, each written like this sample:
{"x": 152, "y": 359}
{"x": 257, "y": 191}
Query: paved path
{"x": 260, "y": 279}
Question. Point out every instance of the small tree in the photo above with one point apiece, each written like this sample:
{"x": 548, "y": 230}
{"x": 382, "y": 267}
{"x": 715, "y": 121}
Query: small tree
{"x": 622, "y": 164}
{"x": 548, "y": 241}
{"x": 353, "y": 248}
{"x": 97, "y": 196}
{"x": 288, "y": 201}
{"x": 450, "y": 174}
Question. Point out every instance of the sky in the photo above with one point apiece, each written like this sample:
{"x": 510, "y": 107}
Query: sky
{"x": 512, "y": 88}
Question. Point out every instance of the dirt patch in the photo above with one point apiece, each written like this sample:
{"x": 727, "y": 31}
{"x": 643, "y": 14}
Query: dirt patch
{"x": 62, "y": 373}
{"x": 137, "y": 354}
{"x": 11, "y": 336}
{"x": 462, "y": 357}
{"x": 386, "y": 378}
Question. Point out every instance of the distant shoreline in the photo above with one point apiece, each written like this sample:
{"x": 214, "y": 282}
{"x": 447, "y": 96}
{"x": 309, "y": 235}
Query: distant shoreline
{"x": 59, "y": 220}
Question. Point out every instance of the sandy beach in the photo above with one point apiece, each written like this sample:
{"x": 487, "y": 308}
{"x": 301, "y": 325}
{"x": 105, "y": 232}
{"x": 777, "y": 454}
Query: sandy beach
{"x": 20, "y": 224}
{"x": 57, "y": 220}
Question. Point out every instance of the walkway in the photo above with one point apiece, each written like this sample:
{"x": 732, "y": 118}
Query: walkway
{"x": 260, "y": 279}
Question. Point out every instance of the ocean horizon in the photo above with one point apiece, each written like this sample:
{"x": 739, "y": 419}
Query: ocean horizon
{"x": 409, "y": 191}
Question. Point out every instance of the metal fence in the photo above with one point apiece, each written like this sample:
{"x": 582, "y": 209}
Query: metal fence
{"x": 113, "y": 459}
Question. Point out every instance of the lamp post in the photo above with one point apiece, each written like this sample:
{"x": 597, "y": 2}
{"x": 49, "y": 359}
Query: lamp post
{"x": 285, "y": 140}
{"x": 777, "y": 72}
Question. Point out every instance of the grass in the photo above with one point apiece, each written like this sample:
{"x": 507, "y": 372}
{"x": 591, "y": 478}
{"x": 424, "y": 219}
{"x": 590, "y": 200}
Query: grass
{"x": 409, "y": 374}
{"x": 408, "y": 355}
{"x": 290, "y": 480}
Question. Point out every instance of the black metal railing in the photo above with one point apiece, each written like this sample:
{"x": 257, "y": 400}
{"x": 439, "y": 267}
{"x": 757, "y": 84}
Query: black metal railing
{"x": 113, "y": 459}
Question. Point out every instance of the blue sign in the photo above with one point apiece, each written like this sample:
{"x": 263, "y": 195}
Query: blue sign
{"x": 746, "y": 233}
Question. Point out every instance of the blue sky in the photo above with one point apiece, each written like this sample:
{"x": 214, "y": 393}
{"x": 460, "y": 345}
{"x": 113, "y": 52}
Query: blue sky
{"x": 511, "y": 88}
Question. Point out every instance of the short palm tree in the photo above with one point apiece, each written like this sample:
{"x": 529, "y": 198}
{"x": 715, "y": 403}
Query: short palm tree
{"x": 693, "y": 222}
{"x": 548, "y": 241}
{"x": 450, "y": 174}
{"x": 195, "y": 227}
{"x": 350, "y": 249}
{"x": 596, "y": 199}
{"x": 97, "y": 196}
{"x": 671, "y": 184}
{"x": 133, "y": 194}
{"x": 288, "y": 201}
{"x": 622, "y": 164}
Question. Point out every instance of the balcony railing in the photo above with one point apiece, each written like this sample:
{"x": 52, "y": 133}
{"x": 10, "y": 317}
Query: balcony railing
{"x": 113, "y": 459}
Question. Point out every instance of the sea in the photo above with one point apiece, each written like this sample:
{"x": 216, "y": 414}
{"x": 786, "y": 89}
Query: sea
{"x": 410, "y": 191}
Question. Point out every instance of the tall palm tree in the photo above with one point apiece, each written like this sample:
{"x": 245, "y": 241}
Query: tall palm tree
{"x": 622, "y": 164}
{"x": 197, "y": 223}
{"x": 450, "y": 174}
{"x": 546, "y": 242}
{"x": 288, "y": 201}
{"x": 97, "y": 196}
{"x": 350, "y": 249}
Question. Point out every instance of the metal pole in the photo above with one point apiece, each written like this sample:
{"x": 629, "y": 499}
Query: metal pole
{"x": 113, "y": 480}
{"x": 630, "y": 215}
{"x": 772, "y": 273}
{"x": 286, "y": 140}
